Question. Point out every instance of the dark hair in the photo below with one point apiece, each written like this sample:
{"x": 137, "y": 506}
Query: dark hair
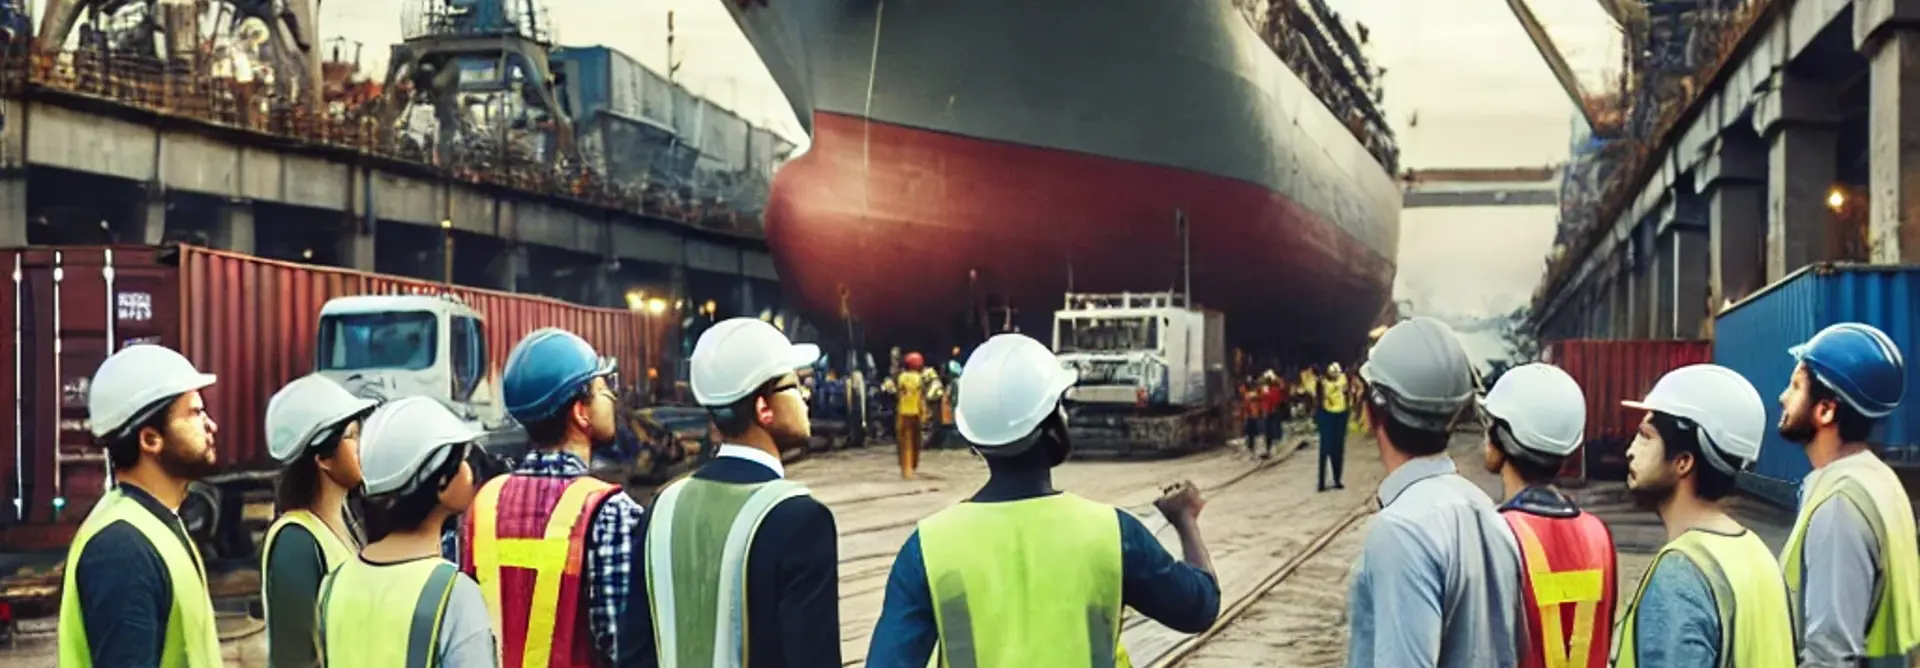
{"x": 408, "y": 508}
{"x": 296, "y": 487}
{"x": 1710, "y": 483}
{"x": 733, "y": 420}
{"x": 1408, "y": 440}
{"x": 1050, "y": 449}
{"x": 1854, "y": 427}
{"x": 123, "y": 448}
{"x": 1535, "y": 468}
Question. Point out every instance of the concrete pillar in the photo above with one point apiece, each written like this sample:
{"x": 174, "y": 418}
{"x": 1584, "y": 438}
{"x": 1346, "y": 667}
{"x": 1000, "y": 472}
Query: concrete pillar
{"x": 13, "y": 211}
{"x": 1690, "y": 248}
{"x": 1664, "y": 271}
{"x": 1732, "y": 178}
{"x": 1883, "y": 32}
{"x": 234, "y": 230}
{"x": 1797, "y": 118}
{"x": 1622, "y": 298}
{"x": 509, "y": 266}
{"x": 153, "y": 216}
{"x": 356, "y": 249}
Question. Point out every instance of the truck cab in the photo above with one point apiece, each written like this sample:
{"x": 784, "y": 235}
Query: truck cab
{"x": 391, "y": 346}
{"x": 1138, "y": 350}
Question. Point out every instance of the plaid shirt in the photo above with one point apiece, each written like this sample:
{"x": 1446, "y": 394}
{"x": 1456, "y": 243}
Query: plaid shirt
{"x": 609, "y": 549}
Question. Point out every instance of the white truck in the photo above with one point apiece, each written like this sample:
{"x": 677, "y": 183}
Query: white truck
{"x": 1153, "y": 373}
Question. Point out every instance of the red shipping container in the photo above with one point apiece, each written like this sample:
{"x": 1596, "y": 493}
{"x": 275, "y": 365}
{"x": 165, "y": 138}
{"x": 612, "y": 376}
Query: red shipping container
{"x": 250, "y": 321}
{"x": 1610, "y": 372}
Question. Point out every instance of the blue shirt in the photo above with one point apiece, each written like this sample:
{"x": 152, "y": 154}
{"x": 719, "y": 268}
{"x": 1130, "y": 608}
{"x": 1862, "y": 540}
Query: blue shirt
{"x": 1675, "y": 622}
{"x": 1171, "y": 592}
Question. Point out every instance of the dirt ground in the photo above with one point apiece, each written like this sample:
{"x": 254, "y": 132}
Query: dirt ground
{"x": 1259, "y": 513}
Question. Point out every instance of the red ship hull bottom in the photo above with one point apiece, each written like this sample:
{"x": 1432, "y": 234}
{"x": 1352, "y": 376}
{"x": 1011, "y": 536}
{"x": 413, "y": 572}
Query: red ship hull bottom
{"x": 892, "y": 219}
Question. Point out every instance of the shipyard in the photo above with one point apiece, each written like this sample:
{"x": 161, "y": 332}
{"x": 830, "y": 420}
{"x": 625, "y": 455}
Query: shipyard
{"x": 805, "y": 333}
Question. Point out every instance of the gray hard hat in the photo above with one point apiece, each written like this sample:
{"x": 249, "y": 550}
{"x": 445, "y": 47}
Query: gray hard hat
{"x": 1420, "y": 374}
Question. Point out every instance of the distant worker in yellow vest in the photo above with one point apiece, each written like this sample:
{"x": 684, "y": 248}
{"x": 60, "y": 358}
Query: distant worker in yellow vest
{"x": 134, "y": 592}
{"x": 1852, "y": 564}
{"x": 740, "y": 566}
{"x": 911, "y": 383}
{"x": 400, "y": 604}
{"x": 1022, "y": 574}
{"x": 313, "y": 428}
{"x": 1713, "y": 595}
{"x": 1332, "y": 421}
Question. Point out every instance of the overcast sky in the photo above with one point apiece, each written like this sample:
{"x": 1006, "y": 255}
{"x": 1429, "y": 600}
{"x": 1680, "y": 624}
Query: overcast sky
{"x": 1463, "y": 68}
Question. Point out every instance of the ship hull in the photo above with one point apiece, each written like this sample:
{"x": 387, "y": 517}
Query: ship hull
{"x": 1030, "y": 144}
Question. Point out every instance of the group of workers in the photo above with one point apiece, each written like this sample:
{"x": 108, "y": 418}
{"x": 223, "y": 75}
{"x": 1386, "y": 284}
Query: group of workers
{"x": 1326, "y": 394}
{"x": 734, "y": 565}
{"x": 1449, "y": 578}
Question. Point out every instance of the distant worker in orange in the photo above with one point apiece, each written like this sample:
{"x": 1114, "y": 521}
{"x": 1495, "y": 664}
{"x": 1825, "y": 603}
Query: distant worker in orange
{"x": 1250, "y": 410}
{"x": 1273, "y": 399}
{"x": 1536, "y": 417}
{"x": 912, "y": 411}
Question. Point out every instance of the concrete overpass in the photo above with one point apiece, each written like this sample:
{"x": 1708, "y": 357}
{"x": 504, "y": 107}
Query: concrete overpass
{"x": 1450, "y": 187}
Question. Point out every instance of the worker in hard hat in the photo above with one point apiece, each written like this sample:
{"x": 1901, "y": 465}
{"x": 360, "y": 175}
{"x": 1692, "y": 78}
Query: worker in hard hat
{"x": 313, "y": 430}
{"x": 550, "y": 545}
{"x": 400, "y": 603}
{"x": 1713, "y": 595}
{"x": 1022, "y": 574}
{"x": 134, "y": 592}
{"x": 1331, "y": 399}
{"x": 1273, "y": 407}
{"x": 1536, "y": 417}
{"x": 911, "y": 384}
{"x": 736, "y": 551}
{"x": 1251, "y": 421}
{"x": 1438, "y": 579}
{"x": 1852, "y": 563}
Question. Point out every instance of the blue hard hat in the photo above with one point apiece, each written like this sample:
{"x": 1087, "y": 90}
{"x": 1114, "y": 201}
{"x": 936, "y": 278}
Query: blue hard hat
{"x": 546, "y": 371}
{"x": 1859, "y": 363}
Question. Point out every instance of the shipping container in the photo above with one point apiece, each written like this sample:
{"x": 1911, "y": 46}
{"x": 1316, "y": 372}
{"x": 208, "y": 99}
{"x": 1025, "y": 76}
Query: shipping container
{"x": 1610, "y": 372}
{"x": 251, "y": 322}
{"x": 723, "y": 135}
{"x": 600, "y": 79}
{"x": 1752, "y": 338}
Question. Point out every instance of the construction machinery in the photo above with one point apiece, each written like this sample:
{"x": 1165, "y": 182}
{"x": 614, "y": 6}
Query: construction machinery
{"x": 1153, "y": 373}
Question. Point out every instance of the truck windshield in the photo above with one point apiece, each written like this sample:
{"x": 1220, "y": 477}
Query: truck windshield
{"x": 1108, "y": 334}
{"x": 396, "y": 340}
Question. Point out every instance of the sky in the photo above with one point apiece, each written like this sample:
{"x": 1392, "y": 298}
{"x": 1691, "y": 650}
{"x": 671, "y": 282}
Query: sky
{"x": 1464, "y": 69}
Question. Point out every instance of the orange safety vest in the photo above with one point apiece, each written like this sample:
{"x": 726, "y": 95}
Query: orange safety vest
{"x": 1569, "y": 577}
{"x": 525, "y": 541}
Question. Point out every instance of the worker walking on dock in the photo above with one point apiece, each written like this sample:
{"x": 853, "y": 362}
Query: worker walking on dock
{"x": 134, "y": 592}
{"x": 313, "y": 429}
{"x": 1713, "y": 595}
{"x": 911, "y": 413}
{"x": 401, "y": 604}
{"x": 1852, "y": 563}
{"x": 1438, "y": 579}
{"x": 738, "y": 561}
{"x": 1537, "y": 418}
{"x": 1332, "y": 422}
{"x": 1022, "y": 574}
{"x": 551, "y": 546}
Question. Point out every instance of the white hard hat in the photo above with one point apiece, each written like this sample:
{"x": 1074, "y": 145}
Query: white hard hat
{"x": 1724, "y": 405}
{"x": 736, "y": 356}
{"x": 134, "y": 381}
{"x": 402, "y": 440}
{"x": 307, "y": 410}
{"x": 1422, "y": 367}
{"x": 1543, "y": 407}
{"x": 1011, "y": 384}
{"x": 1333, "y": 368}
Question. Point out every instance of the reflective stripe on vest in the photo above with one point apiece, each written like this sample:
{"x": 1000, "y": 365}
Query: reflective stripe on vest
{"x": 1334, "y": 399}
{"x": 1893, "y": 632}
{"x": 527, "y": 541}
{"x": 191, "y": 638}
{"x": 695, "y": 521}
{"x": 1756, "y": 628}
{"x": 1035, "y": 582}
{"x": 333, "y": 552}
{"x": 362, "y": 605}
{"x": 1572, "y": 571}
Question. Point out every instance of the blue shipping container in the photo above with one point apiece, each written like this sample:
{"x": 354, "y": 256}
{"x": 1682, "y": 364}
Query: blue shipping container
{"x": 1752, "y": 338}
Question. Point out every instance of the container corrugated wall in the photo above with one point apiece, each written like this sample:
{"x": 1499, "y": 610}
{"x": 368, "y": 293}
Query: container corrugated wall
{"x": 1752, "y": 338}
{"x": 1610, "y": 372}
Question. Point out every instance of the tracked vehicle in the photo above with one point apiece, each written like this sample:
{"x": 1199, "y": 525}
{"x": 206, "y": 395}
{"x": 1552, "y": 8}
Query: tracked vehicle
{"x": 1153, "y": 373}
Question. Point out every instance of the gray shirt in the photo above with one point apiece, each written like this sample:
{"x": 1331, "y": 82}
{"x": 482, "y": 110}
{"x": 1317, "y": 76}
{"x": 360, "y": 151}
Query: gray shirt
{"x": 1438, "y": 583}
{"x": 466, "y": 631}
{"x": 1839, "y": 572}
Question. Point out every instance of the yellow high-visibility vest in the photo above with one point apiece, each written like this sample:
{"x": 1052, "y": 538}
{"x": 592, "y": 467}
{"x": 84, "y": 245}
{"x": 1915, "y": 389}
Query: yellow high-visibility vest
{"x": 364, "y": 607}
{"x": 1334, "y": 394}
{"x": 1893, "y": 634}
{"x": 333, "y": 552}
{"x": 1756, "y": 627}
{"x": 191, "y": 639}
{"x": 1026, "y": 583}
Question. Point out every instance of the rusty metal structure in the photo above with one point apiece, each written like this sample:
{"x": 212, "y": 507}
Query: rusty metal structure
{"x": 285, "y": 35}
{"x": 1673, "y": 49}
{"x": 481, "y": 66}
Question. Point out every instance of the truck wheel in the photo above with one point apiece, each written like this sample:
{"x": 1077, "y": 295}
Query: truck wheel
{"x": 200, "y": 512}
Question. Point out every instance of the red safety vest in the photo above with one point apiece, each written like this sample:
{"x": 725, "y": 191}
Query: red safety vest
{"x": 1569, "y": 576}
{"x": 525, "y": 541}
